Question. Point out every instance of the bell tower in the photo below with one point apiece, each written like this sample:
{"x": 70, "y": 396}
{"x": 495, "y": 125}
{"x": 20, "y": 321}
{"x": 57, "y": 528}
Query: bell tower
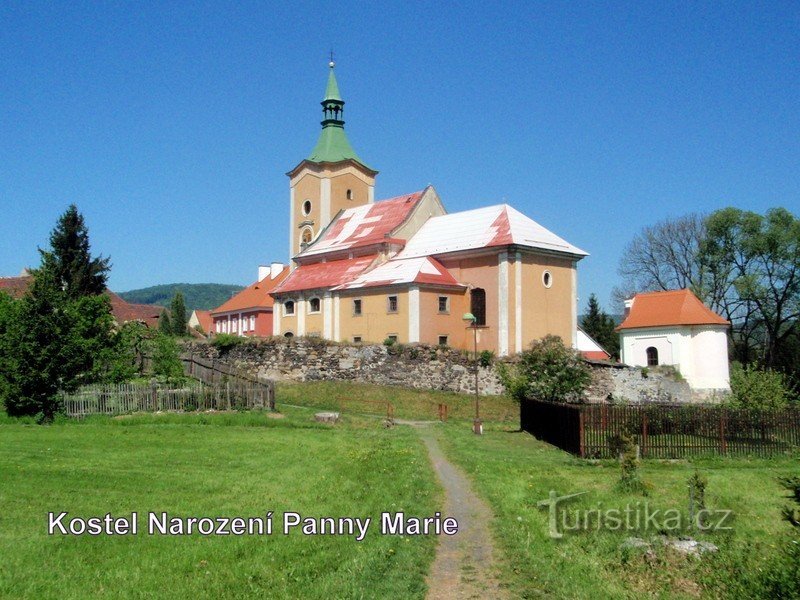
{"x": 331, "y": 179}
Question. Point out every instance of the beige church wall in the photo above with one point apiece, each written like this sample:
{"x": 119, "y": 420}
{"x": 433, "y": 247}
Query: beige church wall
{"x": 339, "y": 186}
{"x": 480, "y": 272}
{"x": 288, "y": 323}
{"x": 375, "y": 323}
{"x": 432, "y": 323}
{"x": 313, "y": 322}
{"x": 307, "y": 188}
{"x": 546, "y": 310}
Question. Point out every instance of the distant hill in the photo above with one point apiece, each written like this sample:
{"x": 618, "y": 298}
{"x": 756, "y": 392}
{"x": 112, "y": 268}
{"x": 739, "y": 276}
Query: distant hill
{"x": 203, "y": 296}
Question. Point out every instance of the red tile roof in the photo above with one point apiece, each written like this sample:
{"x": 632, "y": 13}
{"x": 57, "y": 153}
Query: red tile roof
{"x": 663, "y": 309}
{"x": 15, "y": 286}
{"x": 256, "y": 295}
{"x": 324, "y": 274}
{"x": 204, "y": 318}
{"x": 125, "y": 311}
{"x": 365, "y": 225}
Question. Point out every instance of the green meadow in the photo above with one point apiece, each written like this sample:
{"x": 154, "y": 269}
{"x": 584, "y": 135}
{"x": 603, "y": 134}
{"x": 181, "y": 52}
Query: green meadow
{"x": 245, "y": 464}
{"x": 211, "y": 465}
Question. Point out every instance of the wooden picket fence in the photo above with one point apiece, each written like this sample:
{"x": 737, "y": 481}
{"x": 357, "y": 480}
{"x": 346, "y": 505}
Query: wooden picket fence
{"x": 662, "y": 431}
{"x": 129, "y": 398}
{"x": 217, "y": 386}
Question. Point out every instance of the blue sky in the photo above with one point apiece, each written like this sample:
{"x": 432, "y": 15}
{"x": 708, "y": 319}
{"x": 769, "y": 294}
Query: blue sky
{"x": 172, "y": 126}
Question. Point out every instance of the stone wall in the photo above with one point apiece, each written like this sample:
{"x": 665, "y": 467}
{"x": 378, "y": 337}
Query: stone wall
{"x": 310, "y": 359}
{"x": 621, "y": 383}
{"x": 421, "y": 367}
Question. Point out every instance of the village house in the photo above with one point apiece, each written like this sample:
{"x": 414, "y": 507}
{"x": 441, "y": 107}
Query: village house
{"x": 249, "y": 313}
{"x": 405, "y": 270}
{"x": 122, "y": 311}
{"x": 675, "y": 328}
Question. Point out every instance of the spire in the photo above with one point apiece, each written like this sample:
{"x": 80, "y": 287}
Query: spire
{"x": 332, "y": 91}
{"x": 333, "y": 145}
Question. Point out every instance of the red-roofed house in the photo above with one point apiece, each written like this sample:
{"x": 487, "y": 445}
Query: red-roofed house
{"x": 405, "y": 269}
{"x": 122, "y": 310}
{"x": 249, "y": 313}
{"x": 676, "y": 328}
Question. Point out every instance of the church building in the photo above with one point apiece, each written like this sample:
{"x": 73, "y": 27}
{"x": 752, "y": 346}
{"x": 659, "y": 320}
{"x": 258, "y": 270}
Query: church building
{"x": 404, "y": 269}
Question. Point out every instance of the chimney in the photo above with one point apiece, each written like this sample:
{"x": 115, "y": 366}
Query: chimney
{"x": 628, "y": 305}
{"x": 263, "y": 271}
{"x": 275, "y": 269}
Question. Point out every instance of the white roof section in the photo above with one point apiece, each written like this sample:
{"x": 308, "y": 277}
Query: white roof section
{"x": 499, "y": 225}
{"x": 586, "y": 343}
{"x": 414, "y": 270}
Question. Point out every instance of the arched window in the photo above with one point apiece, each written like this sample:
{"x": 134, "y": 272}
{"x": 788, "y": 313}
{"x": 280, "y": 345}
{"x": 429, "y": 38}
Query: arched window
{"x": 306, "y": 236}
{"x": 652, "y": 356}
{"x": 288, "y": 334}
{"x": 314, "y": 305}
{"x": 349, "y": 194}
{"x": 478, "y": 305}
{"x": 288, "y": 307}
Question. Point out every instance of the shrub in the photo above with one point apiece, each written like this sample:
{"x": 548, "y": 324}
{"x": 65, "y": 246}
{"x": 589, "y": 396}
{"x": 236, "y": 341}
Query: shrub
{"x": 547, "y": 371}
{"x": 166, "y": 358}
{"x": 758, "y": 389}
{"x": 629, "y": 480}
{"x": 224, "y": 342}
{"x": 389, "y": 342}
{"x": 486, "y": 358}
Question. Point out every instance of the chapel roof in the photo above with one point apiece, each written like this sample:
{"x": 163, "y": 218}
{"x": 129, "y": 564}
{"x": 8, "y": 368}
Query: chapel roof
{"x": 670, "y": 308}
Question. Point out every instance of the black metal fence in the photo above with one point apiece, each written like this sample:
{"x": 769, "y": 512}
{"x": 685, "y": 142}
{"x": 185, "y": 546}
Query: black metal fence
{"x": 662, "y": 431}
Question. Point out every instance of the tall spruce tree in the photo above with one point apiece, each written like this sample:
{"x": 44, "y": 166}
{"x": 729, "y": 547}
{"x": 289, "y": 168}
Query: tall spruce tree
{"x": 164, "y": 323}
{"x": 600, "y": 326}
{"x": 58, "y": 336}
{"x": 69, "y": 258}
{"x": 178, "y": 319}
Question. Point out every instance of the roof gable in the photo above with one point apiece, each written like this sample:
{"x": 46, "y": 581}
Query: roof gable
{"x": 488, "y": 227}
{"x": 671, "y": 308}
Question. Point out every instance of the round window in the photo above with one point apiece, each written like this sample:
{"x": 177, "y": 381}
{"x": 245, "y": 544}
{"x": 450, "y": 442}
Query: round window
{"x": 307, "y": 208}
{"x": 547, "y": 279}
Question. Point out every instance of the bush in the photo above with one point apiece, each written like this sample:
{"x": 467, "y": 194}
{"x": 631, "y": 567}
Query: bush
{"x": 486, "y": 358}
{"x": 389, "y": 342}
{"x": 166, "y": 358}
{"x": 548, "y": 371}
{"x": 224, "y": 342}
{"x": 758, "y": 389}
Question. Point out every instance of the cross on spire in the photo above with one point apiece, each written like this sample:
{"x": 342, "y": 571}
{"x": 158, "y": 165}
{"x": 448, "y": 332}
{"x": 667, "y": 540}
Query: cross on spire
{"x": 331, "y": 64}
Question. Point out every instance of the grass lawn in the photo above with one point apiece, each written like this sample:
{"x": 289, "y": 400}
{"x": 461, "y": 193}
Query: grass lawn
{"x": 408, "y": 404}
{"x": 211, "y": 465}
{"x": 513, "y": 471}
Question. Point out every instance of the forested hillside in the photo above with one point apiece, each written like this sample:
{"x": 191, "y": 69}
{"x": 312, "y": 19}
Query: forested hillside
{"x": 203, "y": 296}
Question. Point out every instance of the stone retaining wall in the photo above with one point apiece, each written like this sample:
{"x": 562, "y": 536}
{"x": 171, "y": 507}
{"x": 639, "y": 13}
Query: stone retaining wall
{"x": 421, "y": 367}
